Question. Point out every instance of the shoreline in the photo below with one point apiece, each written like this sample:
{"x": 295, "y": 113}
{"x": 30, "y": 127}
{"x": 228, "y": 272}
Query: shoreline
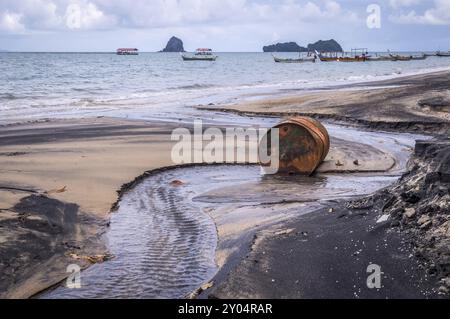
{"x": 402, "y": 111}
{"x": 137, "y": 137}
{"x": 369, "y": 84}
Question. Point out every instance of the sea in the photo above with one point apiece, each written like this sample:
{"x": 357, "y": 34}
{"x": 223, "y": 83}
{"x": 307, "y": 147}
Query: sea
{"x": 162, "y": 86}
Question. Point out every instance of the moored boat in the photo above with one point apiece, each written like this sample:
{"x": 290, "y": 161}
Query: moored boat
{"x": 200, "y": 55}
{"x": 290, "y": 60}
{"x": 419, "y": 57}
{"x": 443, "y": 54}
{"x": 357, "y": 55}
{"x": 379, "y": 58}
{"x": 401, "y": 57}
{"x": 353, "y": 59}
{"x": 127, "y": 51}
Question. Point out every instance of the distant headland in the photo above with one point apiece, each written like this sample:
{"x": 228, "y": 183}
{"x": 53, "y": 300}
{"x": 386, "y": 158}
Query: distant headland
{"x": 174, "y": 45}
{"x": 321, "y": 46}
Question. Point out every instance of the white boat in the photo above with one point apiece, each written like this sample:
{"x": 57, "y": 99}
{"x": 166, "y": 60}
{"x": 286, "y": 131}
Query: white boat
{"x": 443, "y": 54}
{"x": 200, "y": 55}
{"x": 127, "y": 51}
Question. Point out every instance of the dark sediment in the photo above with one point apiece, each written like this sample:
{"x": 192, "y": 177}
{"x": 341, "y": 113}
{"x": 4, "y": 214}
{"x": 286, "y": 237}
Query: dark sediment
{"x": 438, "y": 103}
{"x": 41, "y": 233}
{"x": 326, "y": 254}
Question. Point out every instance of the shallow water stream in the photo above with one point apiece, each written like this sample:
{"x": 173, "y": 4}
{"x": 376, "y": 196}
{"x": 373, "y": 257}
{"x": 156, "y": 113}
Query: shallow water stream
{"x": 170, "y": 239}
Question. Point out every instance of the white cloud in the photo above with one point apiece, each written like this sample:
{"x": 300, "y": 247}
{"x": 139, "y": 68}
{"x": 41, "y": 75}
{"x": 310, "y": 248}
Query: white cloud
{"x": 108, "y": 14}
{"x": 403, "y": 3}
{"x": 52, "y": 15}
{"x": 438, "y": 15}
{"x": 10, "y": 22}
{"x": 86, "y": 15}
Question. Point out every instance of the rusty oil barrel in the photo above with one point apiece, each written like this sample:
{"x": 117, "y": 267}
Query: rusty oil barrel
{"x": 304, "y": 143}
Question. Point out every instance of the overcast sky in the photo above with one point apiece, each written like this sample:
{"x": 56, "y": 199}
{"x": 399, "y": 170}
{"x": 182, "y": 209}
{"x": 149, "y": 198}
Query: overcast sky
{"x": 224, "y": 25}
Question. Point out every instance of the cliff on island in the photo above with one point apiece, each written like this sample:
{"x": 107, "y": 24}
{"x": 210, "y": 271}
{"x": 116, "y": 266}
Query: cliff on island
{"x": 321, "y": 46}
{"x": 325, "y": 46}
{"x": 174, "y": 45}
{"x": 285, "y": 47}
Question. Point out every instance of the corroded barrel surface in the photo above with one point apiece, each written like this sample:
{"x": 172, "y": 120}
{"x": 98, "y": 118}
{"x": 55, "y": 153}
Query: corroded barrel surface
{"x": 304, "y": 143}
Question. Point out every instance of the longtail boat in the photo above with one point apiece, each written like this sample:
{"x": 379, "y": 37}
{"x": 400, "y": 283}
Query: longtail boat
{"x": 419, "y": 57}
{"x": 379, "y": 58}
{"x": 290, "y": 60}
{"x": 401, "y": 57}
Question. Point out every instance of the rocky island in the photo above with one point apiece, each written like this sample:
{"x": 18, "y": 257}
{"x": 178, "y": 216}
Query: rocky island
{"x": 285, "y": 47}
{"x": 174, "y": 45}
{"x": 325, "y": 46}
{"x": 322, "y": 46}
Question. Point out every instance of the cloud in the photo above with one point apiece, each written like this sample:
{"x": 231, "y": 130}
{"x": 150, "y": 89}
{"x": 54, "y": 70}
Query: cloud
{"x": 403, "y": 3}
{"x": 87, "y": 16}
{"x": 55, "y": 15}
{"x": 11, "y": 22}
{"x": 438, "y": 15}
{"x": 113, "y": 14}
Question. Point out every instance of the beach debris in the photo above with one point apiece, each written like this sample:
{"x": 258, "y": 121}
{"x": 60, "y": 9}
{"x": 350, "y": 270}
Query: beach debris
{"x": 56, "y": 191}
{"x": 284, "y": 232}
{"x": 95, "y": 259}
{"x": 12, "y": 154}
{"x": 199, "y": 290}
{"x": 443, "y": 290}
{"x": 356, "y": 162}
{"x": 208, "y": 285}
{"x": 303, "y": 145}
{"x": 338, "y": 163}
{"x": 331, "y": 210}
{"x": 410, "y": 212}
{"x": 177, "y": 183}
{"x": 446, "y": 281}
{"x": 383, "y": 218}
{"x": 423, "y": 220}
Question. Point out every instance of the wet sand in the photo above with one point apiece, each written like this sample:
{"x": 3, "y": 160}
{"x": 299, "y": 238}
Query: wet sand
{"x": 71, "y": 168}
{"x": 403, "y": 229}
{"x": 77, "y": 167}
{"x": 60, "y": 178}
{"x": 419, "y": 103}
{"x": 326, "y": 254}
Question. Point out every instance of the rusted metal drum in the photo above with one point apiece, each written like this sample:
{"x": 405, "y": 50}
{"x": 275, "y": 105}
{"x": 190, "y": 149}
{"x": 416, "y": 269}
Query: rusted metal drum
{"x": 304, "y": 143}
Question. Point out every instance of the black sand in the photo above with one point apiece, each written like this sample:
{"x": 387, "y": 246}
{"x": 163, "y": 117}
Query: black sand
{"x": 326, "y": 253}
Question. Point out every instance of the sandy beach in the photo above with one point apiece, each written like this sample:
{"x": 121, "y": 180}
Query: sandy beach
{"x": 79, "y": 163}
{"x": 60, "y": 179}
{"x": 418, "y": 103}
{"x": 331, "y": 246}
